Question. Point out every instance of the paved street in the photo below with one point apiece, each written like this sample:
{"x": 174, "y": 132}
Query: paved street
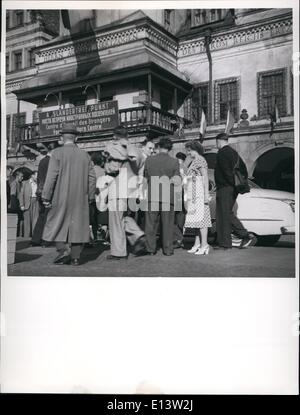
{"x": 276, "y": 261}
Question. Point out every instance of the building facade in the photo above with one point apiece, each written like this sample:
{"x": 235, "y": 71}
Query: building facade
{"x": 25, "y": 30}
{"x": 165, "y": 68}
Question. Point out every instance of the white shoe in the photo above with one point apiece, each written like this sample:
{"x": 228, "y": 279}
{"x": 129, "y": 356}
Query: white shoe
{"x": 194, "y": 249}
{"x": 203, "y": 251}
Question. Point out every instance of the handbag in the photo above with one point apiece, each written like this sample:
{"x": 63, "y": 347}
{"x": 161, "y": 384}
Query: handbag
{"x": 241, "y": 184}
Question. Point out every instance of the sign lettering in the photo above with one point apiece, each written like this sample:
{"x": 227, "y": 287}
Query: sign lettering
{"x": 87, "y": 118}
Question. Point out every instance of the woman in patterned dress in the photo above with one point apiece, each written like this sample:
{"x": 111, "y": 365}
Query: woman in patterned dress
{"x": 197, "y": 198}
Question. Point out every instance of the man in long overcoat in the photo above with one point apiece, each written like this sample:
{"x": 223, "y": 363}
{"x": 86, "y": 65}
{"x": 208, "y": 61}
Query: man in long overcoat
{"x": 69, "y": 188}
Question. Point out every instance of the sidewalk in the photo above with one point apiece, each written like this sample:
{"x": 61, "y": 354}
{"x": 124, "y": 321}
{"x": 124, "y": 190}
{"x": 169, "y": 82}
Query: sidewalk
{"x": 277, "y": 261}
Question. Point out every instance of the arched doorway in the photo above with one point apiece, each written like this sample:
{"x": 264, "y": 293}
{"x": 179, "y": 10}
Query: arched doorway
{"x": 275, "y": 169}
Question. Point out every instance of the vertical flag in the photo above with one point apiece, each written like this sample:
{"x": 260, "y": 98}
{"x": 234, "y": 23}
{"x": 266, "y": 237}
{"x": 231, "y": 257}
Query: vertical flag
{"x": 274, "y": 116}
{"x": 229, "y": 122}
{"x": 203, "y": 126}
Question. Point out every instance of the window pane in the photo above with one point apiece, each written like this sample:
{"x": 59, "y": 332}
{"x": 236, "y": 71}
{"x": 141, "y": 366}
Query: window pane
{"x": 199, "y": 101}
{"x": 31, "y": 58}
{"x": 271, "y": 91}
{"x": 228, "y": 98}
{"x": 19, "y": 18}
{"x": 18, "y": 60}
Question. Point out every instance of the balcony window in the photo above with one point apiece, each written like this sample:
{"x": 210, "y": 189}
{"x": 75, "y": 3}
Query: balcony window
{"x": 167, "y": 17}
{"x": 271, "y": 91}
{"x": 19, "y": 18}
{"x": 226, "y": 97}
{"x": 17, "y": 61}
{"x": 31, "y": 58}
{"x": 201, "y": 17}
{"x": 198, "y": 101}
{"x": 166, "y": 101}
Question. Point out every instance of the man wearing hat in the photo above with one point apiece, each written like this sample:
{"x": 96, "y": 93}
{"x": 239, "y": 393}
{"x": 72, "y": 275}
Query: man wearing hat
{"x": 128, "y": 164}
{"x": 227, "y": 222}
{"x": 68, "y": 190}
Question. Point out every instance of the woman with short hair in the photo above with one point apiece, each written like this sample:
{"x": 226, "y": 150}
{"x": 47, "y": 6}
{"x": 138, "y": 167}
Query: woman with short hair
{"x": 197, "y": 198}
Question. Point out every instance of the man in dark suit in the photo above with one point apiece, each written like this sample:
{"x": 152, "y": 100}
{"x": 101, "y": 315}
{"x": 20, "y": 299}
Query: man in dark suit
{"x": 41, "y": 178}
{"x": 161, "y": 196}
{"x": 227, "y": 221}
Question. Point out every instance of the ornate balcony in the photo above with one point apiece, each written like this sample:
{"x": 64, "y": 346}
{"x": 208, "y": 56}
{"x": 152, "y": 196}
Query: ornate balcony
{"x": 147, "y": 120}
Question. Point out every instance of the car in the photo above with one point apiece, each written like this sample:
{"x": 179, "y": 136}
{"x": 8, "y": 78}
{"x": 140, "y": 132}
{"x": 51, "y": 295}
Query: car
{"x": 266, "y": 213}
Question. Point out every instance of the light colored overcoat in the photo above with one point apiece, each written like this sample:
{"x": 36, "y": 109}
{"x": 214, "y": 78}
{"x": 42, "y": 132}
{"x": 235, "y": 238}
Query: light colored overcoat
{"x": 70, "y": 184}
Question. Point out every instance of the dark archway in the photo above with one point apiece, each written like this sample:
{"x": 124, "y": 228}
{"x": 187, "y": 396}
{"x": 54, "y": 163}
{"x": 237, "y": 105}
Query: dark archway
{"x": 275, "y": 169}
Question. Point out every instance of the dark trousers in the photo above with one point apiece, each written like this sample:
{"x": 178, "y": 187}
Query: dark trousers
{"x": 75, "y": 249}
{"x": 227, "y": 222}
{"x": 93, "y": 218}
{"x": 178, "y": 225}
{"x": 37, "y": 235}
{"x": 166, "y": 217}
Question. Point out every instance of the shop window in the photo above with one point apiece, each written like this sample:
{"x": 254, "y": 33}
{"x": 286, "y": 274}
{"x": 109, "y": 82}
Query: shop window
{"x": 227, "y": 96}
{"x": 17, "y": 60}
{"x": 271, "y": 90}
{"x": 198, "y": 101}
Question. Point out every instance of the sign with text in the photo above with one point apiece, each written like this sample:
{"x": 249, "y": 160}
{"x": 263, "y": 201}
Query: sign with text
{"x": 87, "y": 118}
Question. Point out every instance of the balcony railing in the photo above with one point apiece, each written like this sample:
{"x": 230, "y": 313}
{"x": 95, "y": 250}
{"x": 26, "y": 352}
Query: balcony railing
{"x": 29, "y": 132}
{"x": 136, "y": 119}
{"x": 147, "y": 116}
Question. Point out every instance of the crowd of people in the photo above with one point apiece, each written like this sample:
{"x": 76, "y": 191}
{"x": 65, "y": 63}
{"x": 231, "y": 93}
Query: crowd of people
{"x": 134, "y": 199}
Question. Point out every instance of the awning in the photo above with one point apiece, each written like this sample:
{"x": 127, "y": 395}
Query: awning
{"x": 111, "y": 69}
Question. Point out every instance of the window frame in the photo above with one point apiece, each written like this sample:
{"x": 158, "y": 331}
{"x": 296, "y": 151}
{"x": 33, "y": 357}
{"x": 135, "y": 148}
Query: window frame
{"x": 167, "y": 17}
{"x": 196, "y": 120}
{"x": 207, "y": 20}
{"x": 259, "y": 77}
{"x": 17, "y": 14}
{"x": 17, "y": 52}
{"x": 223, "y": 81}
{"x": 30, "y": 55}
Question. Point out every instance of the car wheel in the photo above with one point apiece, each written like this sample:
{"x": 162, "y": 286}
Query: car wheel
{"x": 267, "y": 240}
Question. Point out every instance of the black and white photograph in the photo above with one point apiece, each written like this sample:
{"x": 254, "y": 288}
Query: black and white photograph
{"x": 151, "y": 162}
